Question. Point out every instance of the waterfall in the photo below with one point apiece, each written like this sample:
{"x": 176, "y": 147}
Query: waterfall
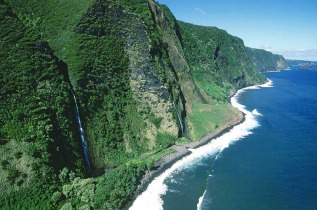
{"x": 179, "y": 118}
{"x": 82, "y": 134}
{"x": 162, "y": 65}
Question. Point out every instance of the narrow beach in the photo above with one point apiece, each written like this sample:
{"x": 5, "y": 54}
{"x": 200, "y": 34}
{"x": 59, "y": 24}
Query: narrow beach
{"x": 166, "y": 163}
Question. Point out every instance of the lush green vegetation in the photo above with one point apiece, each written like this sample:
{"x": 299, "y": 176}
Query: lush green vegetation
{"x": 140, "y": 7}
{"x": 218, "y": 61}
{"x": 38, "y": 133}
{"x": 38, "y": 124}
{"x": 93, "y": 46}
{"x": 55, "y": 20}
{"x": 98, "y": 69}
{"x": 109, "y": 191}
{"x": 266, "y": 61}
{"x": 207, "y": 118}
{"x": 92, "y": 43}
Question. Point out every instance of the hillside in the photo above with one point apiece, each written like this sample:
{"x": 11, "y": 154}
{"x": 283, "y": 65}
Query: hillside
{"x": 142, "y": 81}
{"x": 38, "y": 135}
{"x": 219, "y": 66}
{"x": 266, "y": 61}
{"x": 218, "y": 61}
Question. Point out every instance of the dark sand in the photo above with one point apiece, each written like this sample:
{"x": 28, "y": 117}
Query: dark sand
{"x": 182, "y": 150}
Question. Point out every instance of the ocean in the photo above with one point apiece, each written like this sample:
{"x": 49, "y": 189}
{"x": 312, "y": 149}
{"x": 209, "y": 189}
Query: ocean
{"x": 267, "y": 162}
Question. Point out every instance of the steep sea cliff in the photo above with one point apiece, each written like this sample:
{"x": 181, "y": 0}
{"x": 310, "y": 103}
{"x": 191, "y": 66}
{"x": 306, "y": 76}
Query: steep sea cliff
{"x": 144, "y": 82}
{"x": 266, "y": 61}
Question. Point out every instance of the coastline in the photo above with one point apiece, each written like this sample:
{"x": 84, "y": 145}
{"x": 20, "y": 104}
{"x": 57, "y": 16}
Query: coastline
{"x": 183, "y": 150}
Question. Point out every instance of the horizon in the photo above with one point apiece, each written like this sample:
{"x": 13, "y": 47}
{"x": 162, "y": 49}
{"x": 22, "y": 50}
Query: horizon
{"x": 275, "y": 26}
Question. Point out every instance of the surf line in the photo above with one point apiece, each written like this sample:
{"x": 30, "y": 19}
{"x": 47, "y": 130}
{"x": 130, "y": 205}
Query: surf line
{"x": 151, "y": 197}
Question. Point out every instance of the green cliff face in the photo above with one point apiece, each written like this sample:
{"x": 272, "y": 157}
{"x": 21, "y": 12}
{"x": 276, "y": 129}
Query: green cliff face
{"x": 123, "y": 94}
{"x": 38, "y": 134}
{"x": 210, "y": 65}
{"x": 142, "y": 80}
{"x": 266, "y": 61}
{"x": 218, "y": 61}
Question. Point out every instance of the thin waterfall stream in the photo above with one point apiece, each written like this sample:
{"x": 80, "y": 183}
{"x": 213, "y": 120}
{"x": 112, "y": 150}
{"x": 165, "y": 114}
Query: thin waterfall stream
{"x": 177, "y": 113}
{"x": 179, "y": 118}
{"x": 82, "y": 134}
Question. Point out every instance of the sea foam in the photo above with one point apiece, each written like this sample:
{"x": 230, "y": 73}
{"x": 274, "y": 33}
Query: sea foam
{"x": 255, "y": 112}
{"x": 200, "y": 201}
{"x": 151, "y": 197}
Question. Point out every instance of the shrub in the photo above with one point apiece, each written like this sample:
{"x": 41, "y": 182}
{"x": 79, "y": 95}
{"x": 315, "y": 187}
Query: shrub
{"x": 165, "y": 140}
{"x": 4, "y": 164}
{"x": 12, "y": 174}
{"x": 155, "y": 120}
{"x": 56, "y": 196}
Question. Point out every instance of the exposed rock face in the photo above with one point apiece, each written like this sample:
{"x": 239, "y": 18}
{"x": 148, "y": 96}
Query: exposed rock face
{"x": 148, "y": 89}
{"x": 266, "y": 61}
{"x": 170, "y": 33}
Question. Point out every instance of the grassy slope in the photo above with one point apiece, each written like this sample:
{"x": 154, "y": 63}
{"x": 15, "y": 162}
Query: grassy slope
{"x": 207, "y": 118}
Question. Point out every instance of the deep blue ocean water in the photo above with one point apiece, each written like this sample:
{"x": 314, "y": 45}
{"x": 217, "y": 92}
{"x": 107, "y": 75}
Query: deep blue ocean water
{"x": 273, "y": 168}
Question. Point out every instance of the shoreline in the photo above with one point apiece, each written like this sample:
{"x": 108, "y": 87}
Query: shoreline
{"x": 183, "y": 150}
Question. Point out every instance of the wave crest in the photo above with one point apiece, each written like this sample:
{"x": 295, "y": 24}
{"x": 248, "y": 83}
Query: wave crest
{"x": 255, "y": 112}
{"x": 200, "y": 201}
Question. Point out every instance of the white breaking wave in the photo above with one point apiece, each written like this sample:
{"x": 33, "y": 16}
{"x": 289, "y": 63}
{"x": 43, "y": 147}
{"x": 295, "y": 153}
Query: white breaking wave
{"x": 268, "y": 84}
{"x": 255, "y": 112}
{"x": 200, "y": 201}
{"x": 151, "y": 197}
